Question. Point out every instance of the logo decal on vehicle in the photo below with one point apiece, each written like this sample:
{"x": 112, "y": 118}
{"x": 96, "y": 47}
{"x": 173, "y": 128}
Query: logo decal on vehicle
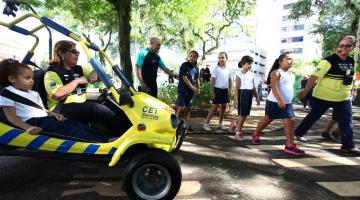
{"x": 52, "y": 85}
{"x": 150, "y": 113}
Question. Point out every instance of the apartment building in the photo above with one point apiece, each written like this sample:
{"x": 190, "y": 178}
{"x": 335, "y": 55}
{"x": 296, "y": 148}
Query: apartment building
{"x": 296, "y": 35}
{"x": 236, "y": 48}
{"x": 277, "y": 33}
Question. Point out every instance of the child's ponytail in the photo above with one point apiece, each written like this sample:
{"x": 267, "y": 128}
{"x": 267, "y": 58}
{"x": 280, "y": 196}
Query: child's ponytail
{"x": 276, "y": 66}
{"x": 245, "y": 59}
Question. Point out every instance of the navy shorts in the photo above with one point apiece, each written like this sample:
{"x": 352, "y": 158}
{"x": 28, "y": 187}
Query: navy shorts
{"x": 274, "y": 112}
{"x": 184, "y": 99}
{"x": 244, "y": 102}
{"x": 333, "y": 117}
{"x": 221, "y": 96}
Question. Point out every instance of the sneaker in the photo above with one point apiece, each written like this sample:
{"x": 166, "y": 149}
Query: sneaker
{"x": 354, "y": 151}
{"x": 222, "y": 127}
{"x": 232, "y": 127}
{"x": 239, "y": 136}
{"x": 206, "y": 127}
{"x": 301, "y": 138}
{"x": 335, "y": 135}
{"x": 190, "y": 129}
{"x": 294, "y": 150}
{"x": 255, "y": 137}
{"x": 326, "y": 135}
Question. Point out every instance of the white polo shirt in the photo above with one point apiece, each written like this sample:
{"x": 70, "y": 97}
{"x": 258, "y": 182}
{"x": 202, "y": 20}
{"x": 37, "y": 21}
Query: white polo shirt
{"x": 222, "y": 76}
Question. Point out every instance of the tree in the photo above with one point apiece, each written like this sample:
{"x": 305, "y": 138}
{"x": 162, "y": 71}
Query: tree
{"x": 185, "y": 24}
{"x": 103, "y": 16}
{"x": 336, "y": 18}
{"x": 222, "y": 18}
{"x": 180, "y": 23}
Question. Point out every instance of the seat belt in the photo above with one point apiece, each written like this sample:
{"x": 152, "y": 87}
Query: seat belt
{"x": 15, "y": 97}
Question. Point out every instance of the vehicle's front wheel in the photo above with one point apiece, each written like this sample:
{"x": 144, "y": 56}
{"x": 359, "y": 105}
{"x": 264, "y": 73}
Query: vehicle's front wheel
{"x": 153, "y": 174}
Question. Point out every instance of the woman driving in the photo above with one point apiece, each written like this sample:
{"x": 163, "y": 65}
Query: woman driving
{"x": 65, "y": 84}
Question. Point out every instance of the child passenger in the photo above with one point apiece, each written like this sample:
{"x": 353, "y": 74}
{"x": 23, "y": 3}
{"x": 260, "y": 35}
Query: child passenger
{"x": 188, "y": 86}
{"x": 18, "y": 78}
{"x": 244, "y": 92}
{"x": 220, "y": 83}
{"x": 278, "y": 104}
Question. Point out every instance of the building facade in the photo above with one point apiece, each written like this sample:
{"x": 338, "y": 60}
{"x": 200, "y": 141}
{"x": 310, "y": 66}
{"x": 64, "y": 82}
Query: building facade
{"x": 277, "y": 33}
{"x": 236, "y": 49}
{"x": 296, "y": 35}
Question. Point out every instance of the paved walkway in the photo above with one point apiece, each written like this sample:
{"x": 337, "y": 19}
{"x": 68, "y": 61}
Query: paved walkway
{"x": 258, "y": 112}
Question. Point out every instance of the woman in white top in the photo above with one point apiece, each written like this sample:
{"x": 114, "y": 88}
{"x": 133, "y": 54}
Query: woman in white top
{"x": 244, "y": 92}
{"x": 278, "y": 104}
{"x": 220, "y": 83}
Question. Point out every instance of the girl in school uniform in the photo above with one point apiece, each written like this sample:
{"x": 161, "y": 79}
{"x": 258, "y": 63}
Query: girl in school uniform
{"x": 220, "y": 83}
{"x": 278, "y": 104}
{"x": 244, "y": 92}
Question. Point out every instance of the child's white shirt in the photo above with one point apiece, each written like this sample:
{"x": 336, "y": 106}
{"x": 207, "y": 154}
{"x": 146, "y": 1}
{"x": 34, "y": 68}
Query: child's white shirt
{"x": 222, "y": 75}
{"x": 24, "y": 112}
{"x": 285, "y": 86}
{"x": 246, "y": 80}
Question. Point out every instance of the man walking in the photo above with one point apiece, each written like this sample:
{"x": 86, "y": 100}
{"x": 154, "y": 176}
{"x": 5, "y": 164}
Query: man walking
{"x": 147, "y": 63}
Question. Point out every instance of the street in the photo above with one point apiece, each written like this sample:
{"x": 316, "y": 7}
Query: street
{"x": 214, "y": 166}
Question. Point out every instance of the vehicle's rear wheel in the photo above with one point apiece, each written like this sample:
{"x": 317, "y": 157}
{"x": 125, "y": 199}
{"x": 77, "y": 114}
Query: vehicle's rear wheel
{"x": 153, "y": 174}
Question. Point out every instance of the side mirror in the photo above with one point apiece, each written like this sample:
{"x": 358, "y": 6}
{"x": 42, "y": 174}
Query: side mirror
{"x": 11, "y": 8}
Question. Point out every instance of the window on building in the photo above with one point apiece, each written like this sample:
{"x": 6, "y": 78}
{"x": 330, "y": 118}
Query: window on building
{"x": 299, "y": 27}
{"x": 288, "y": 6}
{"x": 262, "y": 65}
{"x": 256, "y": 53}
{"x": 293, "y": 50}
{"x": 263, "y": 57}
{"x": 287, "y": 17}
{"x": 292, "y": 39}
{"x": 293, "y": 28}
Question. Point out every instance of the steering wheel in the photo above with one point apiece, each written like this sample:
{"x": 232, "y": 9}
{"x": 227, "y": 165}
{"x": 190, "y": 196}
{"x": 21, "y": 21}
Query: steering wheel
{"x": 104, "y": 93}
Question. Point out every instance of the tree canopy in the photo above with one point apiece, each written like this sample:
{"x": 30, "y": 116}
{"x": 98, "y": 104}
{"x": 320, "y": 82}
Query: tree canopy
{"x": 336, "y": 18}
{"x": 181, "y": 24}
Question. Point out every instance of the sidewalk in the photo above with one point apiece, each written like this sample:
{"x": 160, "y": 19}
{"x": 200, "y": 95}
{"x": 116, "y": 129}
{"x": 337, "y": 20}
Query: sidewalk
{"x": 256, "y": 115}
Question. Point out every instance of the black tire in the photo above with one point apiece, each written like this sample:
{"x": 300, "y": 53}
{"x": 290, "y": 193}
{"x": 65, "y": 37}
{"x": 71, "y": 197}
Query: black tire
{"x": 152, "y": 174}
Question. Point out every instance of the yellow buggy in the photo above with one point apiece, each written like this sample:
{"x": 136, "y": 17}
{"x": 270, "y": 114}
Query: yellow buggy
{"x": 153, "y": 131}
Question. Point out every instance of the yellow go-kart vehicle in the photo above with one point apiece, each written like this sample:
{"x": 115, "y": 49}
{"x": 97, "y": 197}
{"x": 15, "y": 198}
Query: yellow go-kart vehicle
{"x": 145, "y": 146}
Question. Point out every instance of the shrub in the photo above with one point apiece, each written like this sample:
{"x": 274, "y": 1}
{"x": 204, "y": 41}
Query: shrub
{"x": 168, "y": 93}
{"x": 203, "y": 100}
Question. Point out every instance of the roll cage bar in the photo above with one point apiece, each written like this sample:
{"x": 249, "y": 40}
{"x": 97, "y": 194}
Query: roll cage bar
{"x": 11, "y": 8}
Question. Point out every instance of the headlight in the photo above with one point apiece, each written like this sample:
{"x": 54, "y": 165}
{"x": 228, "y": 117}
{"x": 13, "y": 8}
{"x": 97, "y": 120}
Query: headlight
{"x": 174, "y": 121}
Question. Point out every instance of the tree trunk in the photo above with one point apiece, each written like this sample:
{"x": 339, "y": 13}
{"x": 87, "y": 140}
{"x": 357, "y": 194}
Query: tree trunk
{"x": 123, "y": 9}
{"x": 203, "y": 49}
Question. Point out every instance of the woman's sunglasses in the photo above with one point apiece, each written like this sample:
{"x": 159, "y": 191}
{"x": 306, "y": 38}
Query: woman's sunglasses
{"x": 74, "y": 51}
{"x": 345, "y": 45}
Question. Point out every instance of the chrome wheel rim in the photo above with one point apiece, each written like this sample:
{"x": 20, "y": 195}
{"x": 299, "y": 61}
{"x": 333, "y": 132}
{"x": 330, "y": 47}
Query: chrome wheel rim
{"x": 151, "y": 181}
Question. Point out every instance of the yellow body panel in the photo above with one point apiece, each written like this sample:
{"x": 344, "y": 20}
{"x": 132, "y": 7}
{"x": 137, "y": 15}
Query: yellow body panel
{"x": 151, "y": 112}
{"x": 147, "y": 111}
